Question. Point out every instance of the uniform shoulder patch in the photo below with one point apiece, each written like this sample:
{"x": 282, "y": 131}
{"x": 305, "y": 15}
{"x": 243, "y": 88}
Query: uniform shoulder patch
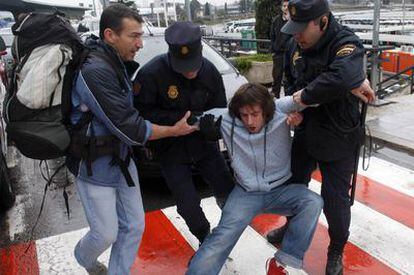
{"x": 346, "y": 50}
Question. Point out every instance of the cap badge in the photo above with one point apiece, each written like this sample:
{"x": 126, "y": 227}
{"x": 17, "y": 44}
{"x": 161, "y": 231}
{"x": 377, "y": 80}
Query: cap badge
{"x": 184, "y": 50}
{"x": 292, "y": 10}
{"x": 172, "y": 92}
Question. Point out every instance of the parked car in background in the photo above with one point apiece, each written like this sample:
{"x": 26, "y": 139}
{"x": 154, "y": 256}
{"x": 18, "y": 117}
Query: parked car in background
{"x": 7, "y": 36}
{"x": 206, "y": 30}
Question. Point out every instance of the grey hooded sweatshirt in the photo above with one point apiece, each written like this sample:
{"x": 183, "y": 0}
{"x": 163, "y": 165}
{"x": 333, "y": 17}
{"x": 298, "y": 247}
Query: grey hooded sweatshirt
{"x": 260, "y": 161}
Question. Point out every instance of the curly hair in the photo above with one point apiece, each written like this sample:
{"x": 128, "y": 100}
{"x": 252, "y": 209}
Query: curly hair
{"x": 250, "y": 94}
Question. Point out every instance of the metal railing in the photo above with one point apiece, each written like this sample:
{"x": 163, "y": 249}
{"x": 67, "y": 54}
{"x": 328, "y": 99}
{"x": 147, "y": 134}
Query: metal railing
{"x": 231, "y": 46}
{"x": 382, "y": 89}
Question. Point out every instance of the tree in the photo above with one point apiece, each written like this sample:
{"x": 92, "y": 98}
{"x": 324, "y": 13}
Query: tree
{"x": 246, "y": 5}
{"x": 266, "y": 10}
{"x": 195, "y": 7}
{"x": 181, "y": 13}
{"x": 207, "y": 9}
{"x": 129, "y": 3}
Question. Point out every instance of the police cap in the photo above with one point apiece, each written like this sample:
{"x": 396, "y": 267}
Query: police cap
{"x": 303, "y": 11}
{"x": 184, "y": 46}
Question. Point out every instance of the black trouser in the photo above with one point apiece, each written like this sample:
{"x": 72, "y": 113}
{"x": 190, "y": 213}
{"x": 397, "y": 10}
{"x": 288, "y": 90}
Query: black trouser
{"x": 277, "y": 74}
{"x": 178, "y": 177}
{"x": 336, "y": 183}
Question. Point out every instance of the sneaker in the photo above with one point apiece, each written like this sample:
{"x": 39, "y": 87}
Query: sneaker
{"x": 275, "y": 236}
{"x": 334, "y": 264}
{"x": 273, "y": 267}
{"x": 98, "y": 269}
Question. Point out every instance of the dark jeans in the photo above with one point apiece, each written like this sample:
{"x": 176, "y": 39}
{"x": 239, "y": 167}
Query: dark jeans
{"x": 336, "y": 183}
{"x": 277, "y": 74}
{"x": 178, "y": 177}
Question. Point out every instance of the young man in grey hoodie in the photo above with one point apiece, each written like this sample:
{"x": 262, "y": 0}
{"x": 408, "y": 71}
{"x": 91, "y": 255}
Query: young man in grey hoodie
{"x": 258, "y": 138}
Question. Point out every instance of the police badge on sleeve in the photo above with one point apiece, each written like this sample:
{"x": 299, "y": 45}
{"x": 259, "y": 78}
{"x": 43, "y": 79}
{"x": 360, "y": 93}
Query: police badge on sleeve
{"x": 346, "y": 50}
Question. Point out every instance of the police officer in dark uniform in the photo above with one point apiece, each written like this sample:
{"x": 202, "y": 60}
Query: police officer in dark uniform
{"x": 278, "y": 42}
{"x": 170, "y": 85}
{"x": 323, "y": 65}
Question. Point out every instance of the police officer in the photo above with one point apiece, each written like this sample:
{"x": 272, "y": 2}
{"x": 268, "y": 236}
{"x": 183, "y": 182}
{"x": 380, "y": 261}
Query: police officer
{"x": 278, "y": 42}
{"x": 170, "y": 85}
{"x": 323, "y": 65}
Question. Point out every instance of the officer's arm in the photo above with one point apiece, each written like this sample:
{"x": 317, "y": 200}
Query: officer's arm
{"x": 111, "y": 105}
{"x": 345, "y": 73}
{"x": 147, "y": 101}
{"x": 217, "y": 98}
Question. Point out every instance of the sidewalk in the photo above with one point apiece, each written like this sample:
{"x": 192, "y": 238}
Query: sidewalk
{"x": 392, "y": 125}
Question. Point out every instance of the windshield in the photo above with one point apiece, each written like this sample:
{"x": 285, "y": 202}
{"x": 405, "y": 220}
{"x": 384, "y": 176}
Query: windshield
{"x": 155, "y": 45}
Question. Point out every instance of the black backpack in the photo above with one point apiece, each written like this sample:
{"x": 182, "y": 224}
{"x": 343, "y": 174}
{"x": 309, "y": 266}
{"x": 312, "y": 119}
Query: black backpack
{"x": 48, "y": 53}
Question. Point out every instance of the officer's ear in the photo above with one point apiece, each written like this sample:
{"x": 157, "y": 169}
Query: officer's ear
{"x": 323, "y": 23}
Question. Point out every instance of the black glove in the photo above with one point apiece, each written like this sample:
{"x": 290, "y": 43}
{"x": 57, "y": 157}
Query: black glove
{"x": 192, "y": 119}
{"x": 209, "y": 128}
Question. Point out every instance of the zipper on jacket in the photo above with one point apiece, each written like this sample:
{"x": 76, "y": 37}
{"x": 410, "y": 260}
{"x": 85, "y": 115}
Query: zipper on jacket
{"x": 255, "y": 162}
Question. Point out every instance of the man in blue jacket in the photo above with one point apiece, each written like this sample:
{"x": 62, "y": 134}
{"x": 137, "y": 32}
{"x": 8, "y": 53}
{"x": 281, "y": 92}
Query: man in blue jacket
{"x": 105, "y": 125}
{"x": 259, "y": 143}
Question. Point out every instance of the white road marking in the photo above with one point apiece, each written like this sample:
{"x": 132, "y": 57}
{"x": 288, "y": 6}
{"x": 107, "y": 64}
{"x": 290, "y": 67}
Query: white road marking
{"x": 380, "y": 236}
{"x": 55, "y": 254}
{"x": 389, "y": 174}
{"x": 16, "y": 215}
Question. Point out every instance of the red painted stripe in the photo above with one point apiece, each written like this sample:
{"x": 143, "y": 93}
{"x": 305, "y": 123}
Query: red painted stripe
{"x": 14, "y": 260}
{"x": 356, "y": 261}
{"x": 163, "y": 249}
{"x": 383, "y": 199}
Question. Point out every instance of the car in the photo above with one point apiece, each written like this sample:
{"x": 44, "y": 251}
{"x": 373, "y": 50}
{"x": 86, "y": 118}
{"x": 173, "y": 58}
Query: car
{"x": 155, "y": 45}
{"x": 206, "y": 30}
{"x": 6, "y": 195}
{"x": 7, "y": 37}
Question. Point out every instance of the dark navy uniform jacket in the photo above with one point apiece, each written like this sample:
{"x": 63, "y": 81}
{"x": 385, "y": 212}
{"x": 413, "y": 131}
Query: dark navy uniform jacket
{"x": 164, "y": 97}
{"x": 278, "y": 39}
{"x": 328, "y": 72}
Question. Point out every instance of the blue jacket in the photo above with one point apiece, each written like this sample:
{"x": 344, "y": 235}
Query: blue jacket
{"x": 98, "y": 88}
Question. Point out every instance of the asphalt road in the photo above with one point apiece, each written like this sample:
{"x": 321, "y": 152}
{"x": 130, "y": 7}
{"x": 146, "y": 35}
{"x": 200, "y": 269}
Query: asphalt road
{"x": 28, "y": 185}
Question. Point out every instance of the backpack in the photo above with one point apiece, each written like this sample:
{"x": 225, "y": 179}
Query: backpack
{"x": 48, "y": 52}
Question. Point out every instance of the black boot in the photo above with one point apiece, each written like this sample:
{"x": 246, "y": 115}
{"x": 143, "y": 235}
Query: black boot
{"x": 334, "y": 264}
{"x": 275, "y": 236}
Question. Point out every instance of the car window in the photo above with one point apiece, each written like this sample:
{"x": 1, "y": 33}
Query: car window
{"x": 6, "y": 21}
{"x": 155, "y": 45}
{"x": 7, "y": 36}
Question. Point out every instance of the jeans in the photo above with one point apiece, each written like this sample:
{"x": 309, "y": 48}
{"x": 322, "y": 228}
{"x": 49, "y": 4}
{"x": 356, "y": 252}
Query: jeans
{"x": 241, "y": 207}
{"x": 116, "y": 217}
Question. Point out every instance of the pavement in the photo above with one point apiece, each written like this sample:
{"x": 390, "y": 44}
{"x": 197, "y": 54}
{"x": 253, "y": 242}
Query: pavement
{"x": 392, "y": 125}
